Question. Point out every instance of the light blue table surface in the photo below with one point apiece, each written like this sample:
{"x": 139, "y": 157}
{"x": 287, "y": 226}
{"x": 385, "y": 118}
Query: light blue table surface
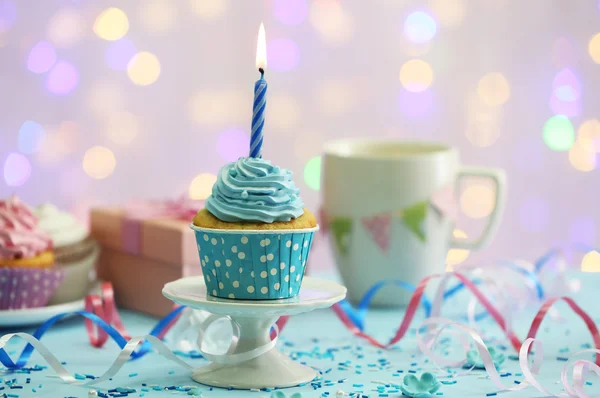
{"x": 315, "y": 332}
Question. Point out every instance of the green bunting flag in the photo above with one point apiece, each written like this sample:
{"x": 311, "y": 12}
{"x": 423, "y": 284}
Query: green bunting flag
{"x": 341, "y": 228}
{"x": 413, "y": 218}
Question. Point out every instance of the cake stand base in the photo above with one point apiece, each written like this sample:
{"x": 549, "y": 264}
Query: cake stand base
{"x": 255, "y": 319}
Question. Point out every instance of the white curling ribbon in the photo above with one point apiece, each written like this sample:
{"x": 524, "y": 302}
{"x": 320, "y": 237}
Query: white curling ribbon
{"x": 122, "y": 358}
{"x": 184, "y": 333}
{"x": 580, "y": 367}
{"x": 161, "y": 348}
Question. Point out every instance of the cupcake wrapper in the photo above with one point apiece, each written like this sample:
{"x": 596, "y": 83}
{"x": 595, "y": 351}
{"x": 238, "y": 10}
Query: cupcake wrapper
{"x": 27, "y": 287}
{"x": 253, "y": 265}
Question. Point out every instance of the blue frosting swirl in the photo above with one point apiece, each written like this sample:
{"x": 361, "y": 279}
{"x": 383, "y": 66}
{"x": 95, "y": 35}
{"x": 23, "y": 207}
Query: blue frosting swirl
{"x": 253, "y": 190}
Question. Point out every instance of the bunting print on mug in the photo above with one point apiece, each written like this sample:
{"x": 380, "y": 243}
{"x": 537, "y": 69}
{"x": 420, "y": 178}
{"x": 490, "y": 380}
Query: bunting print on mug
{"x": 379, "y": 226}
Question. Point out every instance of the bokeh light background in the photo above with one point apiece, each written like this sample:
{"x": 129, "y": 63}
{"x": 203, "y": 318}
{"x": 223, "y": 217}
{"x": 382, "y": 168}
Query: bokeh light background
{"x": 100, "y": 104}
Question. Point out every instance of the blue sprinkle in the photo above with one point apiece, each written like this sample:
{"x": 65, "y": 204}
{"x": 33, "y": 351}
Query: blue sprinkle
{"x": 513, "y": 357}
{"x": 357, "y": 385}
{"x": 589, "y": 383}
{"x": 132, "y": 374}
{"x": 491, "y": 394}
{"x": 517, "y": 382}
{"x": 448, "y": 382}
{"x": 171, "y": 372}
{"x": 79, "y": 376}
{"x": 563, "y": 359}
{"x": 34, "y": 390}
{"x": 412, "y": 371}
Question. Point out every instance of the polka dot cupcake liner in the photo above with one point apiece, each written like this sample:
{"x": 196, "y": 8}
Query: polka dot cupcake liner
{"x": 253, "y": 265}
{"x": 27, "y": 287}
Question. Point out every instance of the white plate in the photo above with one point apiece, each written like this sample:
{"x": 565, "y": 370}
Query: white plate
{"x": 37, "y": 316}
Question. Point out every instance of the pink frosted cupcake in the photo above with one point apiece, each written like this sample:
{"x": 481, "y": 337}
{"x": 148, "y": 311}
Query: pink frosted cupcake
{"x": 28, "y": 276}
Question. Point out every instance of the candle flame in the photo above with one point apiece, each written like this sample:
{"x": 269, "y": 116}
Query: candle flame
{"x": 261, "y": 48}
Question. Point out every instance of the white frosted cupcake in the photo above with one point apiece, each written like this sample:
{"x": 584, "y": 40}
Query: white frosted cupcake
{"x": 75, "y": 251}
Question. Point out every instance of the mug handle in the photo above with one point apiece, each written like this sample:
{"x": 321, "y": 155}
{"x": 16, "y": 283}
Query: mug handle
{"x": 499, "y": 178}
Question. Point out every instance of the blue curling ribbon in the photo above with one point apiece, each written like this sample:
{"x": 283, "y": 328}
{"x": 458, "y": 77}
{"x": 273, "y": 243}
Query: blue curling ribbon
{"x": 545, "y": 259}
{"x": 357, "y": 316}
{"x": 112, "y": 333}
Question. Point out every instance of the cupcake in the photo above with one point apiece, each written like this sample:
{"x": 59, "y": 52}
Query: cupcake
{"x": 74, "y": 250}
{"x": 28, "y": 275}
{"x": 254, "y": 235}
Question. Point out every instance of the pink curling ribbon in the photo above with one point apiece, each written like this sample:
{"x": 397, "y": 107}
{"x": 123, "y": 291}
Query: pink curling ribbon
{"x": 104, "y": 307}
{"x": 139, "y": 210}
{"x": 482, "y": 299}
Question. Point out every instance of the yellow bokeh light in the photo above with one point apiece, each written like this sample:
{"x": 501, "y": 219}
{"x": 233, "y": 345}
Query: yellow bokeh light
{"x": 483, "y": 122}
{"x": 477, "y": 201}
{"x": 449, "y": 13}
{"x": 143, "y": 69}
{"x": 283, "y": 113}
{"x": 158, "y": 15}
{"x": 416, "y": 75}
{"x": 582, "y": 159}
{"x": 591, "y": 262}
{"x": 105, "y": 98}
{"x": 307, "y": 144}
{"x": 215, "y": 108}
{"x": 60, "y": 142}
{"x": 112, "y": 24}
{"x": 588, "y": 135}
{"x": 66, "y": 27}
{"x": 99, "y": 162}
{"x": 336, "y": 96}
{"x": 209, "y": 9}
{"x": 333, "y": 23}
{"x": 201, "y": 186}
{"x": 493, "y": 89}
{"x": 456, "y": 256}
{"x": 122, "y": 128}
{"x": 594, "y": 48}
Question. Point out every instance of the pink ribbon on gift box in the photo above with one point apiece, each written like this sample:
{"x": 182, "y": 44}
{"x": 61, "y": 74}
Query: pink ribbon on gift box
{"x": 137, "y": 211}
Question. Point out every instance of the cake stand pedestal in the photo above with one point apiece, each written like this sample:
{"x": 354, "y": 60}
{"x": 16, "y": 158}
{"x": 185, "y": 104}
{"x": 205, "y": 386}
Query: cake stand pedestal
{"x": 255, "y": 319}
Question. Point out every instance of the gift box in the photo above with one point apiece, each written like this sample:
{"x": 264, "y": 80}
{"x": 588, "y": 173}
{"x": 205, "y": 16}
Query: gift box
{"x": 144, "y": 247}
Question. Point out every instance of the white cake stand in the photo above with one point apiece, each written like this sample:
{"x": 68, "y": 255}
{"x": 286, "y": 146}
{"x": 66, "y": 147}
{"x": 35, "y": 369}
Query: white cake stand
{"x": 255, "y": 318}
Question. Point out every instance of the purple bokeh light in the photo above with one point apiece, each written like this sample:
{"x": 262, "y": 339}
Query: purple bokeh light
{"x": 119, "y": 53}
{"x": 62, "y": 79}
{"x": 415, "y": 105}
{"x": 17, "y": 170}
{"x": 566, "y": 86}
{"x": 290, "y": 12}
{"x": 8, "y": 15}
{"x": 583, "y": 231}
{"x": 283, "y": 54}
{"x": 232, "y": 144}
{"x": 534, "y": 214}
{"x": 31, "y": 137}
{"x": 566, "y": 108}
{"x": 41, "y": 58}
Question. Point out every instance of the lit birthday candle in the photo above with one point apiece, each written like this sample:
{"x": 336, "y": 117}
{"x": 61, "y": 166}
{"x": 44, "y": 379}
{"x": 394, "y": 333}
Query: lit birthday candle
{"x": 260, "y": 96}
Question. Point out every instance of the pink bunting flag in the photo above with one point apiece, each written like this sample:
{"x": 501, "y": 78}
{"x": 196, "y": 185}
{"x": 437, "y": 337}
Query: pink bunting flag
{"x": 444, "y": 201}
{"x": 380, "y": 228}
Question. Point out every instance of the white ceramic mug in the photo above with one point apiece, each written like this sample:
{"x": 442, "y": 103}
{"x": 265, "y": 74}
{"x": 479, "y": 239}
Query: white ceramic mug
{"x": 368, "y": 187}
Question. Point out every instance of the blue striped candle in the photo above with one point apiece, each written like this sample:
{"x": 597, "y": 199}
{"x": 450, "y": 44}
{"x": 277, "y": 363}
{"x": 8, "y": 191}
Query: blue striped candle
{"x": 258, "y": 116}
